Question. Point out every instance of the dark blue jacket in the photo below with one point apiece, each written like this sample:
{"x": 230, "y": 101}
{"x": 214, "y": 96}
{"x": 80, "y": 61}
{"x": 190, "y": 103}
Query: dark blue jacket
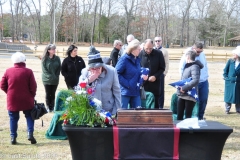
{"x": 129, "y": 72}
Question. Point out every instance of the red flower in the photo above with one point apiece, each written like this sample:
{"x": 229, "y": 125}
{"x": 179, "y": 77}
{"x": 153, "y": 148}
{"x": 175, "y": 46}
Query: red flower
{"x": 106, "y": 121}
{"x": 64, "y": 115}
{"x": 65, "y": 121}
{"x": 89, "y": 90}
{"x": 83, "y": 84}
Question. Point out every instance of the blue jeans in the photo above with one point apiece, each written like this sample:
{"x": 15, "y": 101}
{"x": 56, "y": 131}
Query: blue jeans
{"x": 134, "y": 101}
{"x": 14, "y": 117}
{"x": 203, "y": 90}
{"x": 161, "y": 96}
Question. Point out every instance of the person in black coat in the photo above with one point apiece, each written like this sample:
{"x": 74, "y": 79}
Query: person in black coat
{"x": 115, "y": 52}
{"x": 72, "y": 66}
{"x": 152, "y": 59}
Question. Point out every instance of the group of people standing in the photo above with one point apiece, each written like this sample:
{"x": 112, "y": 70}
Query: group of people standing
{"x": 117, "y": 87}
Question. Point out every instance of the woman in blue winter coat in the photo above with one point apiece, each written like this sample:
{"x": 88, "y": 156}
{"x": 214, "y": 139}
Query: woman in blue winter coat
{"x": 129, "y": 74}
{"x": 231, "y": 74}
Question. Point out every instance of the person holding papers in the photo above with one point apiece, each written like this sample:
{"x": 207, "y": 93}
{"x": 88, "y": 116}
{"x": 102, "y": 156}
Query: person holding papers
{"x": 185, "y": 101}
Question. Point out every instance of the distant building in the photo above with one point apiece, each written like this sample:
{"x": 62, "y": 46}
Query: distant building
{"x": 235, "y": 41}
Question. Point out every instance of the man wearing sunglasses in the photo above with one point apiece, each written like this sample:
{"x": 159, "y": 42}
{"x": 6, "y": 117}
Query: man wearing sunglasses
{"x": 158, "y": 46}
{"x": 203, "y": 86}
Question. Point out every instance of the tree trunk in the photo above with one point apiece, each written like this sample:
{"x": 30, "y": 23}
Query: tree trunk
{"x": 94, "y": 21}
{"x": 13, "y": 21}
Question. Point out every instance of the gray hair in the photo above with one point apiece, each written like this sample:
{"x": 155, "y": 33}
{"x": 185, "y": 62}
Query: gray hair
{"x": 148, "y": 40}
{"x": 134, "y": 44}
{"x": 198, "y": 45}
{"x": 130, "y": 36}
{"x": 192, "y": 55}
{"x": 46, "y": 53}
{"x": 116, "y": 42}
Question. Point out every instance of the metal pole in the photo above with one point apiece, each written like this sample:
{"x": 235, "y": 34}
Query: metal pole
{"x": 53, "y": 21}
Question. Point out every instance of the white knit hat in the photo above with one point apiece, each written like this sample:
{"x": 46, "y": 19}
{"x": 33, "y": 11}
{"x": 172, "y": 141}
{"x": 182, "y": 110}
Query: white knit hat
{"x": 18, "y": 57}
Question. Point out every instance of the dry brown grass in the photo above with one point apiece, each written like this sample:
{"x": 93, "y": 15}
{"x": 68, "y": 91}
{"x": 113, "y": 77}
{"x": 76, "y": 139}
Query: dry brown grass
{"x": 59, "y": 149}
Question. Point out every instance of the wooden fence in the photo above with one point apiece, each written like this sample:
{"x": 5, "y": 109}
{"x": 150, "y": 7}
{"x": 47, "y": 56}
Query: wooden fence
{"x": 173, "y": 54}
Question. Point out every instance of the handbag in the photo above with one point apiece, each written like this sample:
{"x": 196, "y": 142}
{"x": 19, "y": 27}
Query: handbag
{"x": 142, "y": 93}
{"x": 38, "y": 110}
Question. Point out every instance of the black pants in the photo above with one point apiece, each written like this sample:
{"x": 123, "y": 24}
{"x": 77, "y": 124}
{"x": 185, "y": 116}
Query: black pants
{"x": 184, "y": 105}
{"x": 50, "y": 95}
{"x": 161, "y": 96}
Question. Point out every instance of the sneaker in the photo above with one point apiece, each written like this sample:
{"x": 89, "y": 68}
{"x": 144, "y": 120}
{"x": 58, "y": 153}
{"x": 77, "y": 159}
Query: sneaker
{"x": 227, "y": 112}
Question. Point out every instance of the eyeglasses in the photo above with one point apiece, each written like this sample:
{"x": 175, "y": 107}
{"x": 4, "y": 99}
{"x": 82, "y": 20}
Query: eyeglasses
{"x": 157, "y": 40}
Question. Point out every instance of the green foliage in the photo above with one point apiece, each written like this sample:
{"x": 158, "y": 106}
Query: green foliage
{"x": 210, "y": 28}
{"x": 79, "y": 111}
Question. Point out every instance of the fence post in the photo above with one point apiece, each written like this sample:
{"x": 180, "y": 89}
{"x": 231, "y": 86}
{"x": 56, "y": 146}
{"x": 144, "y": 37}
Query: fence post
{"x": 226, "y": 58}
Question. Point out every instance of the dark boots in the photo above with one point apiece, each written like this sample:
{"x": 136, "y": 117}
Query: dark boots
{"x": 31, "y": 138}
{"x": 13, "y": 140}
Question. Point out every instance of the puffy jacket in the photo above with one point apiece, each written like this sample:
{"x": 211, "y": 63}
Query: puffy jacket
{"x": 129, "y": 72}
{"x": 190, "y": 70}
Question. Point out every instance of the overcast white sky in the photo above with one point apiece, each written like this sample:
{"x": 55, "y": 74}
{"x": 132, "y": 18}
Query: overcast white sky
{"x": 6, "y": 6}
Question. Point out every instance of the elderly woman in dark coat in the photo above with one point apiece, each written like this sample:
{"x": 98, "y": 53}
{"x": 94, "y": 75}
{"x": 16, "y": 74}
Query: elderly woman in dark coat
{"x": 186, "y": 102}
{"x": 231, "y": 74}
{"x": 72, "y": 66}
{"x": 19, "y": 84}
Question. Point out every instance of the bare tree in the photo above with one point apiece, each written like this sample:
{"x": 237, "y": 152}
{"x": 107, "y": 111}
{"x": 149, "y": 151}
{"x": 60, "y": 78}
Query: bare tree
{"x": 129, "y": 7}
{"x": 229, "y": 6}
{"x": 184, "y": 9}
{"x": 94, "y": 21}
{"x": 2, "y": 24}
{"x": 13, "y": 19}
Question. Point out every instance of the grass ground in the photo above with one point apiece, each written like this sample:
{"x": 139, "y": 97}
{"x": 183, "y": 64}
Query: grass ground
{"x": 59, "y": 149}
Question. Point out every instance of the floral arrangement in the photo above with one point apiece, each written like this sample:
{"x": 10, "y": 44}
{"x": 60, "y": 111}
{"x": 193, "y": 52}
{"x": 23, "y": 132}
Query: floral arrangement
{"x": 84, "y": 110}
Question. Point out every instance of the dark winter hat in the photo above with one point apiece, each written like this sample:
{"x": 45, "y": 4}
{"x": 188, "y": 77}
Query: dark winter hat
{"x": 94, "y": 58}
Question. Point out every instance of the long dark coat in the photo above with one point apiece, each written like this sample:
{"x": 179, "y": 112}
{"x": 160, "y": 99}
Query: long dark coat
{"x": 156, "y": 64}
{"x": 19, "y": 84}
{"x": 232, "y": 82}
{"x": 114, "y": 56}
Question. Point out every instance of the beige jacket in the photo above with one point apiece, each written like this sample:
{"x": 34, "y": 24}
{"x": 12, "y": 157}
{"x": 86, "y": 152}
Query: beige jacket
{"x": 165, "y": 55}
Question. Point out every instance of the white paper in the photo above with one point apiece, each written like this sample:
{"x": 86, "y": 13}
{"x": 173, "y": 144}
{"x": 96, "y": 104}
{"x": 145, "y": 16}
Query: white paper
{"x": 188, "y": 123}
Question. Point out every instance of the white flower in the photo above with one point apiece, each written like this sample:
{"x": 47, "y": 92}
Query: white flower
{"x": 68, "y": 99}
{"x": 98, "y": 103}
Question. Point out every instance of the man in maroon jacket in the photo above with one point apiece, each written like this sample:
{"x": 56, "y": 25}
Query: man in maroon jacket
{"x": 19, "y": 84}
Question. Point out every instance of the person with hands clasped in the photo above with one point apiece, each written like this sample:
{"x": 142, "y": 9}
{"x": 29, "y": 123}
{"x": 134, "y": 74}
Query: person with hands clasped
{"x": 129, "y": 74}
{"x": 153, "y": 59}
{"x": 231, "y": 74}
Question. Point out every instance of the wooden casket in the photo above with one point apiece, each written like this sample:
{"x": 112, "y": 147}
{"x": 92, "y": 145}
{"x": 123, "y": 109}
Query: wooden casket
{"x": 144, "y": 118}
